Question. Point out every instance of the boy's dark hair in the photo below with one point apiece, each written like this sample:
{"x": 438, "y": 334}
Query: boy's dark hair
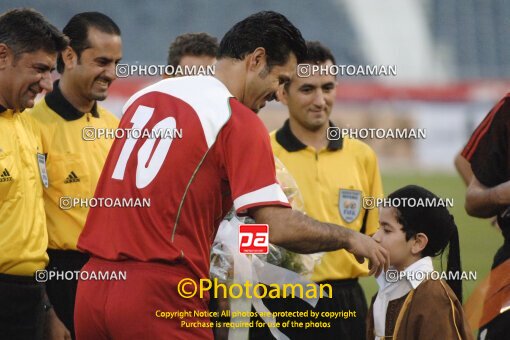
{"x": 25, "y": 30}
{"x": 77, "y": 30}
{"x": 267, "y": 29}
{"x": 434, "y": 221}
{"x": 195, "y": 44}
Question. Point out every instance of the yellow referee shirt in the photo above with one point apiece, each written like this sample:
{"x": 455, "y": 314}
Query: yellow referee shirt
{"x": 23, "y": 236}
{"x": 333, "y": 182}
{"x": 74, "y": 164}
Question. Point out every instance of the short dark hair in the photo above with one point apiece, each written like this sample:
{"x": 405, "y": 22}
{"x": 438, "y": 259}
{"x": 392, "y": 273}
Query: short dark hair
{"x": 317, "y": 53}
{"x": 77, "y": 30}
{"x": 25, "y": 30}
{"x": 267, "y": 29}
{"x": 195, "y": 44}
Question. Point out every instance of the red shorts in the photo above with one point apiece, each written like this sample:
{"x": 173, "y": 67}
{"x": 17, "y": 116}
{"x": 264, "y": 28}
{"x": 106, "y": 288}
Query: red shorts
{"x": 132, "y": 308}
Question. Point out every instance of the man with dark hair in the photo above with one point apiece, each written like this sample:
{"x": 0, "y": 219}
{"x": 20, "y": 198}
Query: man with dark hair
{"x": 87, "y": 66}
{"x": 191, "y": 49}
{"x": 221, "y": 158}
{"x": 28, "y": 50}
{"x": 78, "y": 29}
{"x": 247, "y": 35}
{"x": 348, "y": 172}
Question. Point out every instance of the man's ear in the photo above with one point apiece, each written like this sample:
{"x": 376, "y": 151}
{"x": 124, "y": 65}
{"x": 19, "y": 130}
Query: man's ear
{"x": 419, "y": 243}
{"x": 5, "y": 56}
{"x": 256, "y": 61}
{"x": 282, "y": 94}
{"x": 69, "y": 57}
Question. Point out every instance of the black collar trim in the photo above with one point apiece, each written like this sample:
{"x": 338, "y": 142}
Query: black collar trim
{"x": 291, "y": 143}
{"x": 58, "y": 103}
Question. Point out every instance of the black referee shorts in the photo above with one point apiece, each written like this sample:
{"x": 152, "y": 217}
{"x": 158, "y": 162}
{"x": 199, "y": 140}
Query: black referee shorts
{"x": 22, "y": 314}
{"x": 347, "y": 296}
{"x": 62, "y": 293}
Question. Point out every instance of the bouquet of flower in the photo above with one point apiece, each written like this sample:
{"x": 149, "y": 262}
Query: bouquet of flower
{"x": 222, "y": 259}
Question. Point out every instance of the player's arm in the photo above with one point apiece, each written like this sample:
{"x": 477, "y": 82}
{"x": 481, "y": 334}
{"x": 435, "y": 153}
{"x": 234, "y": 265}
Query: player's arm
{"x": 463, "y": 168}
{"x": 249, "y": 165}
{"x": 297, "y": 232}
{"x": 487, "y": 152}
{"x": 482, "y": 201}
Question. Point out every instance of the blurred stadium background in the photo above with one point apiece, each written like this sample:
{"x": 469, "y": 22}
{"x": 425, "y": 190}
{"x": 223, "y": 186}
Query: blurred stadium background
{"x": 452, "y": 58}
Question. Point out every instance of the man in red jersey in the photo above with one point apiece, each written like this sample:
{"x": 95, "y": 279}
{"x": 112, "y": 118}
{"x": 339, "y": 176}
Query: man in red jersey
{"x": 220, "y": 155}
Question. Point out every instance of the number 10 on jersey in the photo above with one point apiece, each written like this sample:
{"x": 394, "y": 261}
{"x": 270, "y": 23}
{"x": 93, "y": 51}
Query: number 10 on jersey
{"x": 145, "y": 172}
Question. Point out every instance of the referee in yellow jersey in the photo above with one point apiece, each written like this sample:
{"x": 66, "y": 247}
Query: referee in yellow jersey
{"x": 333, "y": 176}
{"x": 74, "y": 157}
{"x": 28, "y": 50}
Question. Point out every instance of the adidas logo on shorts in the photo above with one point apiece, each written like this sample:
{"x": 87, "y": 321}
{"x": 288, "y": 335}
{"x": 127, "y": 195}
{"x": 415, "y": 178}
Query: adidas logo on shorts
{"x": 5, "y": 176}
{"x": 71, "y": 178}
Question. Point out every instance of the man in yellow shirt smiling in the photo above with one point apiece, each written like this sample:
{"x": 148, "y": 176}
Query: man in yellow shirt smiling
{"x": 333, "y": 176}
{"x": 74, "y": 164}
{"x": 28, "y": 50}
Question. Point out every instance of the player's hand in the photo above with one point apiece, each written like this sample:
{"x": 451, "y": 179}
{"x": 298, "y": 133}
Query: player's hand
{"x": 363, "y": 247}
{"x": 55, "y": 329}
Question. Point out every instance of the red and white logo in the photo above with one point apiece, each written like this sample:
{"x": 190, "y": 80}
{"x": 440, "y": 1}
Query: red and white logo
{"x": 253, "y": 238}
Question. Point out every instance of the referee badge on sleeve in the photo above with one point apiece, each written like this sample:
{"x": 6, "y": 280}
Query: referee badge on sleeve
{"x": 349, "y": 204}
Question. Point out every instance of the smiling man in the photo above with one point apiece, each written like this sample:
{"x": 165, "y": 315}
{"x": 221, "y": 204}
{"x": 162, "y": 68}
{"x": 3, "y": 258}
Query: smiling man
{"x": 28, "y": 50}
{"x": 87, "y": 66}
{"x": 333, "y": 176}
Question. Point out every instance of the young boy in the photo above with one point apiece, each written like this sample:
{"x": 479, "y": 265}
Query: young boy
{"x": 412, "y": 302}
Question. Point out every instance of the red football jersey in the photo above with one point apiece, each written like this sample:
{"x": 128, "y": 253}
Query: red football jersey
{"x": 483, "y": 128}
{"x": 221, "y": 157}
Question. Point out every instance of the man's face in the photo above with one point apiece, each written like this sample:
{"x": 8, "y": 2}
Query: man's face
{"x": 392, "y": 238}
{"x": 262, "y": 83}
{"x": 93, "y": 73}
{"x": 310, "y": 100}
{"x": 25, "y": 75}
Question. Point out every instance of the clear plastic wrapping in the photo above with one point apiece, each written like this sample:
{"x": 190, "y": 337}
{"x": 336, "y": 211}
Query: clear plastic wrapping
{"x": 222, "y": 259}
